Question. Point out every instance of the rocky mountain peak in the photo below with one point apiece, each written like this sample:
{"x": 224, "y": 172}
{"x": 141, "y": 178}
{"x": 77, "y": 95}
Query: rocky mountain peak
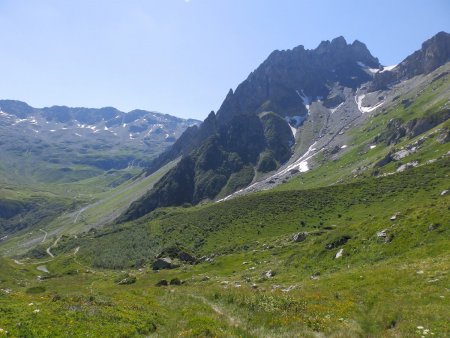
{"x": 434, "y": 53}
{"x": 278, "y": 83}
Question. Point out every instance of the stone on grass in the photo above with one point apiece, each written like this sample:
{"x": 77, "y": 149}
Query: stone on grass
{"x": 162, "y": 263}
{"x": 269, "y": 273}
{"x": 175, "y": 281}
{"x": 299, "y": 237}
{"x": 162, "y": 282}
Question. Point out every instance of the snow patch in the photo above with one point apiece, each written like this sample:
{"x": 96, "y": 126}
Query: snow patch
{"x": 294, "y": 130}
{"x": 305, "y": 99}
{"x": 344, "y": 146}
{"x": 363, "y": 65}
{"x": 360, "y": 98}
{"x": 77, "y": 134}
{"x": 20, "y": 121}
{"x": 52, "y": 130}
{"x": 301, "y": 164}
{"x": 372, "y": 146}
{"x": 388, "y": 68}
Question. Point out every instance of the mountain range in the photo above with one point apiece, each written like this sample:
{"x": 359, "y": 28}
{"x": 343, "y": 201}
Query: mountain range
{"x": 104, "y": 138}
{"x": 265, "y": 124}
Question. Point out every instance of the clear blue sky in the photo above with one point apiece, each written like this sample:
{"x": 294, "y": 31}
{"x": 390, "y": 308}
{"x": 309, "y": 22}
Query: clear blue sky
{"x": 181, "y": 57}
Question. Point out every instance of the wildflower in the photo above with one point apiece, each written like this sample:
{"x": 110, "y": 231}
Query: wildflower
{"x": 420, "y": 327}
{"x": 36, "y": 311}
{"x": 31, "y": 304}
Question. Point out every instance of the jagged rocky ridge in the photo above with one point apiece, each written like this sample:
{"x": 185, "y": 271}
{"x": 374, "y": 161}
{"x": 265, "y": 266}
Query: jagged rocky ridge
{"x": 289, "y": 88}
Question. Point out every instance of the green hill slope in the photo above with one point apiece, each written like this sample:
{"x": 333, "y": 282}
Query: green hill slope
{"x": 255, "y": 279}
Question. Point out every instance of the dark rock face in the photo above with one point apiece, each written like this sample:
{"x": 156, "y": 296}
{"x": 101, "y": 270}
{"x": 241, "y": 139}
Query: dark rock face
{"x": 434, "y": 53}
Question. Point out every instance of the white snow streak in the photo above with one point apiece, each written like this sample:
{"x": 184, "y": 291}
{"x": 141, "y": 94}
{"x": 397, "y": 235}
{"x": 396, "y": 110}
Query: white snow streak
{"x": 359, "y": 99}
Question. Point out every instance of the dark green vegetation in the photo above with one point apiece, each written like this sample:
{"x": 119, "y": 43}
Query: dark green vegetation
{"x": 237, "y": 225}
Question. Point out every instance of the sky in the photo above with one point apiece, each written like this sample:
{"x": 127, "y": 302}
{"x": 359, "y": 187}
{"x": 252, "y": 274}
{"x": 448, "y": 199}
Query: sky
{"x": 181, "y": 57}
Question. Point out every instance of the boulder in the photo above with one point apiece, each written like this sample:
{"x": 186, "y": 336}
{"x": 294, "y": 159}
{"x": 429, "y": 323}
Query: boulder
{"x": 382, "y": 234}
{"x": 175, "y": 281}
{"x": 407, "y": 166}
{"x": 299, "y": 237}
{"x": 185, "y": 257}
{"x": 162, "y": 282}
{"x": 269, "y": 273}
{"x": 338, "y": 242}
{"x": 339, "y": 254}
{"x": 127, "y": 280}
{"x": 445, "y": 192}
{"x": 162, "y": 263}
{"x": 175, "y": 252}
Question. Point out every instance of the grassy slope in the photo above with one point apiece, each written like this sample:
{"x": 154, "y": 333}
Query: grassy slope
{"x": 376, "y": 289}
{"x": 427, "y": 98}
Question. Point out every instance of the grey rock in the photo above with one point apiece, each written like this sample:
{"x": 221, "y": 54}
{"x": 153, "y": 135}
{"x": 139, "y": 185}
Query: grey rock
{"x": 299, "y": 237}
{"x": 394, "y": 217}
{"x": 269, "y": 274}
{"x": 407, "y": 166}
{"x": 382, "y": 234}
{"x": 162, "y": 263}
